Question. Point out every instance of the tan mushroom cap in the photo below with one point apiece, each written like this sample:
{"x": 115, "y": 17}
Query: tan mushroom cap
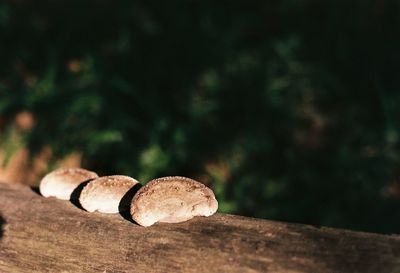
{"x": 62, "y": 182}
{"x": 104, "y": 194}
{"x": 172, "y": 199}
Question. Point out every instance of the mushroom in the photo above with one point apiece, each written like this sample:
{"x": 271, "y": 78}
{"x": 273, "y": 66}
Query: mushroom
{"x": 172, "y": 199}
{"x": 62, "y": 182}
{"x": 104, "y": 194}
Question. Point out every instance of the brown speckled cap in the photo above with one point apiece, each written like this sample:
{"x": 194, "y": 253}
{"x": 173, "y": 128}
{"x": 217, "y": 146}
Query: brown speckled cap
{"x": 104, "y": 194}
{"x": 172, "y": 199}
{"x": 62, "y": 182}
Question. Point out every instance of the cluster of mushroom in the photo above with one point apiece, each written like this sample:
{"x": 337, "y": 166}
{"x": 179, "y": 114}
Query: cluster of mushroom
{"x": 172, "y": 199}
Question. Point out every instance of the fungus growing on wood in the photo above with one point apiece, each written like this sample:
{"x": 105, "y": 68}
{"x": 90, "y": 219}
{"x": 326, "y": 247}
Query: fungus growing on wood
{"x": 104, "y": 194}
{"x": 172, "y": 199}
{"x": 62, "y": 182}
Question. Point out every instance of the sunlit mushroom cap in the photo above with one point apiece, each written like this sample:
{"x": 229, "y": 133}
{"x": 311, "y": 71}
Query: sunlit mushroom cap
{"x": 62, "y": 182}
{"x": 104, "y": 194}
{"x": 172, "y": 199}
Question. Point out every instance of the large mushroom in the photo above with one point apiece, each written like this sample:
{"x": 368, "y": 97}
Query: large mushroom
{"x": 62, "y": 182}
{"x": 172, "y": 199}
{"x": 105, "y": 194}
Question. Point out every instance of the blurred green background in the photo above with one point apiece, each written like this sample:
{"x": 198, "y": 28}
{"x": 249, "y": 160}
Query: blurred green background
{"x": 288, "y": 109}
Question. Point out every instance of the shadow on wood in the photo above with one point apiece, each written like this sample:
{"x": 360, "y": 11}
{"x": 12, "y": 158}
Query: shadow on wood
{"x": 36, "y": 190}
{"x": 77, "y": 193}
{"x": 124, "y": 207}
{"x": 2, "y": 223}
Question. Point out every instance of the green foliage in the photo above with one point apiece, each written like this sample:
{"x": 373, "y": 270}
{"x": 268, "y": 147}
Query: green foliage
{"x": 288, "y": 109}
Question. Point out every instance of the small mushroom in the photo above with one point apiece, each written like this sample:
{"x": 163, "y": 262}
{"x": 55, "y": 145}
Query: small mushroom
{"x": 172, "y": 199}
{"x": 62, "y": 182}
{"x": 104, "y": 194}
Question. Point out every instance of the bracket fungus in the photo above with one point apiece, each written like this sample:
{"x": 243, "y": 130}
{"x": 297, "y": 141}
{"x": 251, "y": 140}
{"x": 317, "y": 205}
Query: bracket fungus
{"x": 172, "y": 199}
{"x": 104, "y": 194}
{"x": 62, "y": 182}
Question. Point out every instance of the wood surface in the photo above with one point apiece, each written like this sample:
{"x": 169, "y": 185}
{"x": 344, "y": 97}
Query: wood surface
{"x": 40, "y": 234}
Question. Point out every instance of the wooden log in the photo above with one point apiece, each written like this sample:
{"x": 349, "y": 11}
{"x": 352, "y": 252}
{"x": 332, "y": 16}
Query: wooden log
{"x": 47, "y": 235}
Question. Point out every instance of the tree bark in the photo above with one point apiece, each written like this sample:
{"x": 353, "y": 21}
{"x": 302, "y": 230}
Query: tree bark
{"x": 40, "y": 234}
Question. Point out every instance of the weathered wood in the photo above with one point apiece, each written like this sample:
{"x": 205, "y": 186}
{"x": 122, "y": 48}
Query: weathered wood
{"x": 49, "y": 235}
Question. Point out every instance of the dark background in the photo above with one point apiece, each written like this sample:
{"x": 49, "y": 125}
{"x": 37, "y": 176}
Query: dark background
{"x": 287, "y": 109}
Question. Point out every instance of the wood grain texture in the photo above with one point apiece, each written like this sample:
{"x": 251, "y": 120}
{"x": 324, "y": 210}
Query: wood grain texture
{"x": 47, "y": 235}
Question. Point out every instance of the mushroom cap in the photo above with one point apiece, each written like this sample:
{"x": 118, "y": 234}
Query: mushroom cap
{"x": 104, "y": 194}
{"x": 62, "y": 182}
{"x": 172, "y": 199}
